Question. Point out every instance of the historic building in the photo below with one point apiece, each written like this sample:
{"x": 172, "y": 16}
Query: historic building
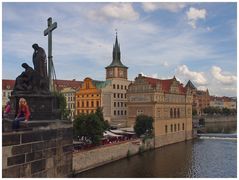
{"x": 7, "y": 88}
{"x": 114, "y": 96}
{"x": 88, "y": 97}
{"x": 223, "y": 102}
{"x": 201, "y": 99}
{"x": 168, "y": 102}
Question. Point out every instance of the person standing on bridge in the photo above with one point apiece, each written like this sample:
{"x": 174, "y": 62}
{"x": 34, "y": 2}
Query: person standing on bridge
{"x": 22, "y": 115}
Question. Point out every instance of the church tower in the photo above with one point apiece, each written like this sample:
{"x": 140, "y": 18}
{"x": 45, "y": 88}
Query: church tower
{"x": 116, "y": 69}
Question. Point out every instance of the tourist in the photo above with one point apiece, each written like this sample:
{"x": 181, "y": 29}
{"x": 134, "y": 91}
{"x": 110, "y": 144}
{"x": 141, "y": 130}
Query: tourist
{"x": 22, "y": 115}
{"x": 7, "y": 109}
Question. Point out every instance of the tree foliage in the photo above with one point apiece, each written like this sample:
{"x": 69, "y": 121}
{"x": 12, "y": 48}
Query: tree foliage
{"x": 216, "y": 110}
{"x": 143, "y": 125}
{"x": 61, "y": 100}
{"x": 99, "y": 113}
{"x": 90, "y": 126}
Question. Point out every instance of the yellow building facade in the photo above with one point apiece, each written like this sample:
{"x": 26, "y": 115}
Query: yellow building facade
{"x": 168, "y": 102}
{"x": 88, "y": 97}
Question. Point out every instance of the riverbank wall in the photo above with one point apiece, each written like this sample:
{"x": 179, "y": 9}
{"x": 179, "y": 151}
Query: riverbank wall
{"x": 88, "y": 159}
{"x": 216, "y": 118}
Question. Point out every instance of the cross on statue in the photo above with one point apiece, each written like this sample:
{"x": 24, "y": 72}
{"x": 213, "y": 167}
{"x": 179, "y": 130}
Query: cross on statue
{"x": 48, "y": 32}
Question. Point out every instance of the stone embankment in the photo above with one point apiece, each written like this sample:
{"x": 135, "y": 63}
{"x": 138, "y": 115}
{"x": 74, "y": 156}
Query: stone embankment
{"x": 216, "y": 118}
{"x": 88, "y": 159}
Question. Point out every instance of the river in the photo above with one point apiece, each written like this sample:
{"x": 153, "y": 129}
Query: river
{"x": 198, "y": 158}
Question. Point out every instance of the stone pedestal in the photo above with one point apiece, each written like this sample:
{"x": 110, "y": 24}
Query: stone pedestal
{"x": 42, "y": 107}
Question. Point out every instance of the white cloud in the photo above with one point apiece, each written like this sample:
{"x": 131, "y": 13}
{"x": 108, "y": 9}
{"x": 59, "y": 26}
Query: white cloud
{"x": 195, "y": 14}
{"x": 196, "y": 77}
{"x": 153, "y": 6}
{"x": 224, "y": 79}
{"x": 121, "y": 11}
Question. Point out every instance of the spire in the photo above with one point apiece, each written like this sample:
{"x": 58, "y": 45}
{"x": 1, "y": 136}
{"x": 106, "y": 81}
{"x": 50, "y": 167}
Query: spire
{"x": 116, "y": 62}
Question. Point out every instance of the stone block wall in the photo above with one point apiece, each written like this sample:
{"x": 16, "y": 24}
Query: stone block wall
{"x": 84, "y": 160}
{"x": 171, "y": 138}
{"x": 41, "y": 152}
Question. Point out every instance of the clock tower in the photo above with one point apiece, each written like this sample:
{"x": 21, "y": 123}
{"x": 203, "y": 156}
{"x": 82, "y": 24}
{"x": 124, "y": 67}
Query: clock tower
{"x": 116, "y": 69}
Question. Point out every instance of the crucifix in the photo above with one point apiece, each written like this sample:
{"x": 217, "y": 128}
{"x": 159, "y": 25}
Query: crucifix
{"x": 48, "y": 32}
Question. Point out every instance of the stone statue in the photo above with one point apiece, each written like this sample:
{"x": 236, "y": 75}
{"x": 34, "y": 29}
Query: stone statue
{"x": 39, "y": 60}
{"x": 30, "y": 82}
{"x": 23, "y": 81}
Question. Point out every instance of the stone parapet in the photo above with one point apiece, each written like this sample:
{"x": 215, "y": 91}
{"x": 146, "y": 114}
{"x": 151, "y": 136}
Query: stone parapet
{"x": 43, "y": 151}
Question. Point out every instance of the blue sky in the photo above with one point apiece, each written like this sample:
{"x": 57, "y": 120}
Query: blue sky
{"x": 195, "y": 41}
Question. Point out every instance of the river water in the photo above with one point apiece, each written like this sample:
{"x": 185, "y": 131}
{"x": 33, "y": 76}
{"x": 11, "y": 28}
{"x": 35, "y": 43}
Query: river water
{"x": 199, "y": 158}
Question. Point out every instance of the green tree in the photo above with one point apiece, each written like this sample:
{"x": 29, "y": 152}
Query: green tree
{"x": 99, "y": 113}
{"x": 61, "y": 100}
{"x": 143, "y": 125}
{"x": 89, "y": 126}
{"x": 226, "y": 111}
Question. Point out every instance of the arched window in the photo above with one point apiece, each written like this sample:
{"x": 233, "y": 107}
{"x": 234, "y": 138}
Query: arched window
{"x": 183, "y": 126}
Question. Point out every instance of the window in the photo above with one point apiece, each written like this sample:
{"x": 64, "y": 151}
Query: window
{"x": 97, "y": 103}
{"x": 125, "y": 87}
{"x": 183, "y": 126}
{"x": 166, "y": 129}
{"x": 122, "y": 112}
{"x": 178, "y": 113}
{"x": 171, "y": 113}
{"x": 178, "y": 127}
{"x": 87, "y": 104}
{"x": 125, "y": 96}
{"x": 121, "y": 95}
{"x": 117, "y": 86}
{"x": 114, "y": 104}
{"x": 92, "y": 103}
{"x": 174, "y": 113}
{"x": 114, "y": 112}
{"x": 125, "y": 112}
{"x": 118, "y": 95}
{"x": 114, "y": 95}
{"x": 121, "y": 86}
{"x": 171, "y": 128}
{"x": 118, "y": 104}
{"x": 113, "y": 86}
{"x": 139, "y": 112}
{"x": 118, "y": 112}
{"x": 122, "y": 104}
{"x": 175, "y": 128}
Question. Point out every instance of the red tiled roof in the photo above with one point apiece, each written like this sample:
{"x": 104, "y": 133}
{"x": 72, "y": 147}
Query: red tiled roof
{"x": 59, "y": 83}
{"x": 8, "y": 84}
{"x": 165, "y": 84}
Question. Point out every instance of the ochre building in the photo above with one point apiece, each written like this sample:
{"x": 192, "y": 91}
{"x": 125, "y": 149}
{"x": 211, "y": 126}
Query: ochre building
{"x": 88, "y": 97}
{"x": 168, "y": 102}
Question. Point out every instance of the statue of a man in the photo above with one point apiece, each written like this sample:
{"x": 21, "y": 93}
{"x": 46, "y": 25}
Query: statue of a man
{"x": 39, "y": 60}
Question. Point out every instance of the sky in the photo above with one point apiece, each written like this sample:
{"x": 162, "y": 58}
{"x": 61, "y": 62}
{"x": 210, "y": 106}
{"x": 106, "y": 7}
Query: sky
{"x": 193, "y": 41}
